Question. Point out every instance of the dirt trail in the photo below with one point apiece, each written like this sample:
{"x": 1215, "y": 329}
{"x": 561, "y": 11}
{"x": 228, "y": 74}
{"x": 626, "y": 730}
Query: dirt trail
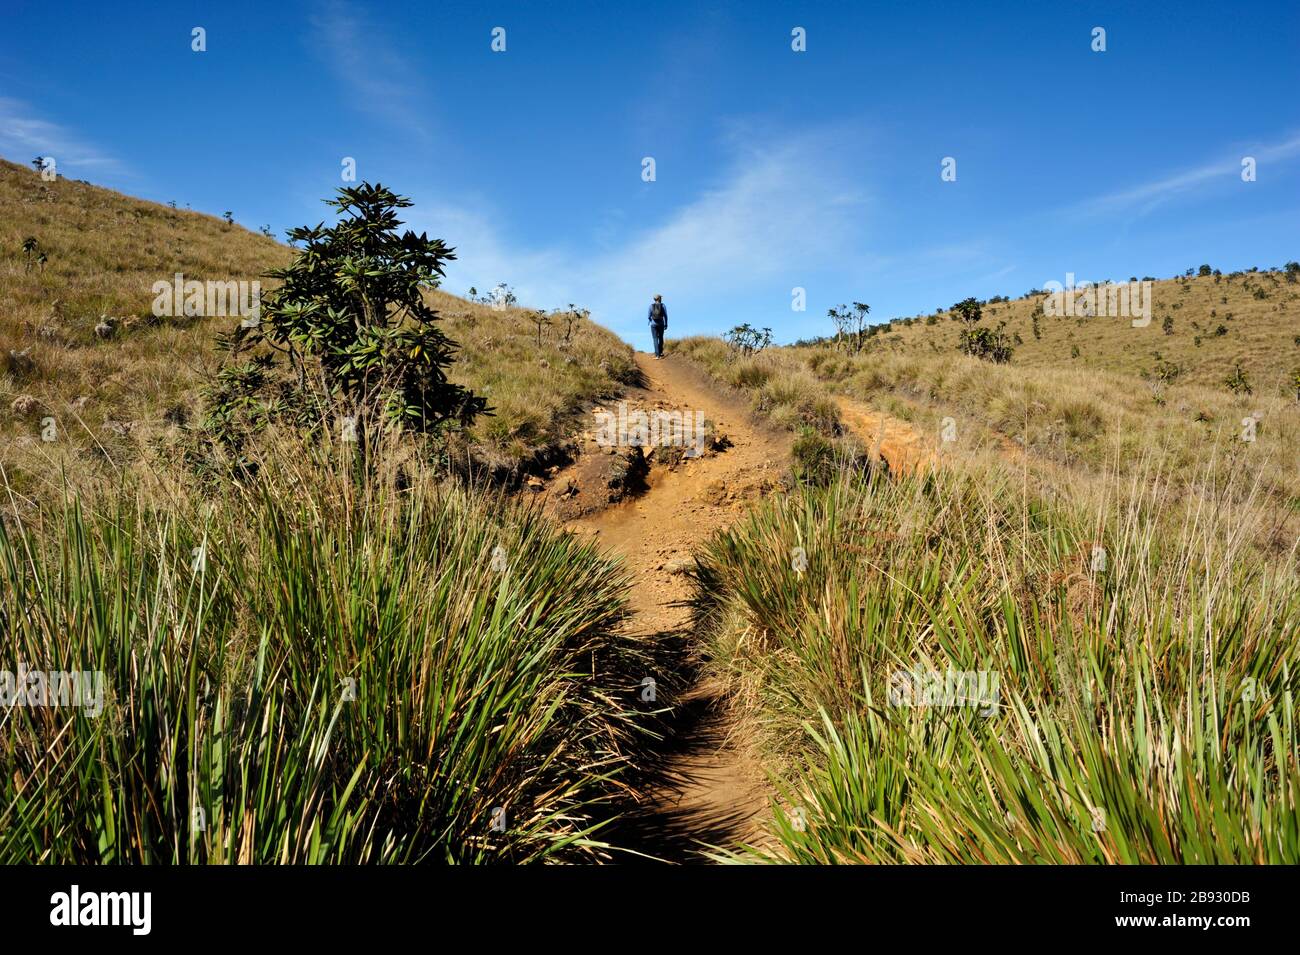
{"x": 709, "y": 791}
{"x": 895, "y": 440}
{"x": 905, "y": 449}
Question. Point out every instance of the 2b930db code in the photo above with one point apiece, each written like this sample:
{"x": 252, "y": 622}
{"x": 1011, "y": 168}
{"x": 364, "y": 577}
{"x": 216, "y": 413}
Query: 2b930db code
{"x": 1174, "y": 895}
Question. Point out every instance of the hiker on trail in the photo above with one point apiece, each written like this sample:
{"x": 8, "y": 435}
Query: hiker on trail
{"x": 658, "y": 322}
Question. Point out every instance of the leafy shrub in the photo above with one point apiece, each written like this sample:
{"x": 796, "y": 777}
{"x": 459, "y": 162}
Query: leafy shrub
{"x": 968, "y": 310}
{"x": 850, "y": 325}
{"x": 1237, "y": 382}
{"x": 748, "y": 340}
{"x": 1167, "y": 371}
{"x": 350, "y": 317}
{"x": 987, "y": 344}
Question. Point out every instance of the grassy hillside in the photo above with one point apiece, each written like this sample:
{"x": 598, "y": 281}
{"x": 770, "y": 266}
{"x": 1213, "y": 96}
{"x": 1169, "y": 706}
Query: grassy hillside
{"x": 124, "y": 400}
{"x": 302, "y": 664}
{"x": 1074, "y": 423}
{"x": 105, "y": 251}
{"x": 1097, "y": 546}
{"x": 538, "y": 394}
{"x": 1205, "y": 325}
{"x": 1136, "y": 709}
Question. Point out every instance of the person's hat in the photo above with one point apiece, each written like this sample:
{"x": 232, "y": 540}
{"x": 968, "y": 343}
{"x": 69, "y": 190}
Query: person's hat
{"x": 659, "y": 298}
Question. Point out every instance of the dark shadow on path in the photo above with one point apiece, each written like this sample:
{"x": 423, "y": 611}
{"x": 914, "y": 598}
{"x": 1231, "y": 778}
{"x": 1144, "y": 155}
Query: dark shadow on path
{"x": 686, "y": 806}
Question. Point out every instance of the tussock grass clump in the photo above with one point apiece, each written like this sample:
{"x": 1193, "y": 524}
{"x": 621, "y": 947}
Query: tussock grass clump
{"x": 813, "y": 458}
{"x": 1137, "y": 668}
{"x": 749, "y": 373}
{"x": 818, "y": 460}
{"x": 797, "y": 400}
{"x": 300, "y": 672}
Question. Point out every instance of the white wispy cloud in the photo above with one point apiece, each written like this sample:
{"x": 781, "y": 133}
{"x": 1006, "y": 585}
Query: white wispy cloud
{"x": 369, "y": 65}
{"x": 539, "y": 276}
{"x": 1146, "y": 196}
{"x": 23, "y": 132}
{"x": 777, "y": 211}
{"x": 781, "y": 209}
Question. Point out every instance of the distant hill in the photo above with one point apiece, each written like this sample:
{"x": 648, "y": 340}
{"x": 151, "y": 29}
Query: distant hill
{"x": 1206, "y": 325}
{"x": 1087, "y": 396}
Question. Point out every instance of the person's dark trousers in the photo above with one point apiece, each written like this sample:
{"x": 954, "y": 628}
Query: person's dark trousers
{"x": 658, "y": 332}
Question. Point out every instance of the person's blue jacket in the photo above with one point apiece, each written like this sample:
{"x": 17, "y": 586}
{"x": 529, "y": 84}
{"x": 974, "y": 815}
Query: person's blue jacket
{"x": 663, "y": 314}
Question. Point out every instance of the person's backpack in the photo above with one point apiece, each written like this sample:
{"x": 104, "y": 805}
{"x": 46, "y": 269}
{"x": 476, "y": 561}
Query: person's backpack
{"x": 657, "y": 313}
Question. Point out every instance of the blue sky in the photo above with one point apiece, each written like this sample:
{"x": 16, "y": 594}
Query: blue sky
{"x": 775, "y": 169}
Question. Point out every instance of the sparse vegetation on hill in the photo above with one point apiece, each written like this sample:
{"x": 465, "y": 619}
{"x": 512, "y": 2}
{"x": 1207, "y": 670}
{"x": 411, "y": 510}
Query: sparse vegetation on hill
{"x": 79, "y": 343}
{"x": 1074, "y": 423}
{"x": 785, "y": 394}
{"x": 538, "y": 395}
{"x": 1257, "y": 310}
{"x": 125, "y": 397}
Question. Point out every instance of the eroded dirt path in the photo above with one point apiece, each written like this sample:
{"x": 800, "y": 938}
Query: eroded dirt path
{"x": 709, "y": 791}
{"x": 905, "y": 449}
{"x": 893, "y": 439}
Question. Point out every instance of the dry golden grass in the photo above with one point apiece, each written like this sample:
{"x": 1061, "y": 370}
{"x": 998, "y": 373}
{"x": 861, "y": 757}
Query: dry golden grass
{"x": 117, "y": 401}
{"x": 105, "y": 251}
{"x": 1257, "y": 333}
{"x": 537, "y": 393}
{"x": 1065, "y": 426}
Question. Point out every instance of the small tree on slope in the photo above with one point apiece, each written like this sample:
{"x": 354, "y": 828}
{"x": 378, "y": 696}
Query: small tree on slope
{"x": 351, "y": 319}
